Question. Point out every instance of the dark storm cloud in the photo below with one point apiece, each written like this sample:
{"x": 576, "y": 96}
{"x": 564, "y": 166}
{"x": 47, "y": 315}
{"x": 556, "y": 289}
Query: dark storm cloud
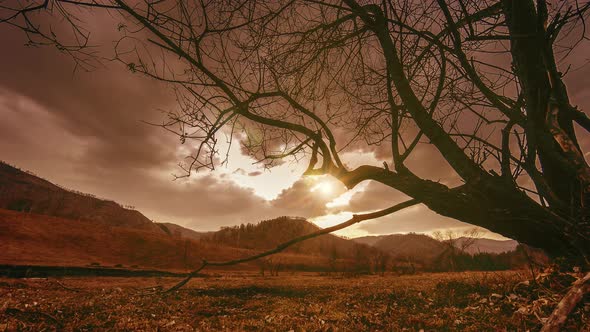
{"x": 31, "y": 137}
{"x": 104, "y": 106}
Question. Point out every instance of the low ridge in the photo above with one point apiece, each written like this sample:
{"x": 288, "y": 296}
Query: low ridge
{"x": 25, "y": 192}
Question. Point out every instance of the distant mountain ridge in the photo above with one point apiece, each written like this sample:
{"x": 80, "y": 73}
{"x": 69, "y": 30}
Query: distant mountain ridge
{"x": 268, "y": 234}
{"x": 26, "y": 192}
{"x": 488, "y": 245}
{"x": 404, "y": 244}
{"x": 417, "y": 247}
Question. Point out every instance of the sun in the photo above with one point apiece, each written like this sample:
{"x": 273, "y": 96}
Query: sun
{"x": 324, "y": 188}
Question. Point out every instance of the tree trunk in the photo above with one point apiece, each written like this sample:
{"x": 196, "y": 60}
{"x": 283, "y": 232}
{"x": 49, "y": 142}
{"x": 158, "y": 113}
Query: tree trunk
{"x": 491, "y": 203}
{"x": 511, "y": 213}
{"x": 569, "y": 302}
{"x": 549, "y": 127}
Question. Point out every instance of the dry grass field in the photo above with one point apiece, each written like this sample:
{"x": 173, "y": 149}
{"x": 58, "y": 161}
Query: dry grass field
{"x": 32, "y": 239}
{"x": 471, "y": 301}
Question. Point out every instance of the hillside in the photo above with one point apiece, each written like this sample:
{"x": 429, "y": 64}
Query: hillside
{"x": 25, "y": 192}
{"x": 32, "y": 239}
{"x": 480, "y": 245}
{"x": 489, "y": 246}
{"x": 415, "y": 247}
{"x": 268, "y": 234}
{"x": 28, "y": 238}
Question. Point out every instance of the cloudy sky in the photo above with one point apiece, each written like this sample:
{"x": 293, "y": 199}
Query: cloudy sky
{"x": 85, "y": 131}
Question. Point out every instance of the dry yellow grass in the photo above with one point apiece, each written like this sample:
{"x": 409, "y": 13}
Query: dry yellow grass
{"x": 300, "y": 302}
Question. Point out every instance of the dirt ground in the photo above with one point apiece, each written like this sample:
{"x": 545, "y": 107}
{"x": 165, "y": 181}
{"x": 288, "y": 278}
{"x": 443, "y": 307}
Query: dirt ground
{"x": 473, "y": 301}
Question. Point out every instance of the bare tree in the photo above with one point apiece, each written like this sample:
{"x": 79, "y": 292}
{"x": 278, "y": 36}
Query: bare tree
{"x": 456, "y": 243}
{"x": 275, "y": 267}
{"x": 381, "y": 262}
{"x": 479, "y": 82}
{"x": 272, "y": 265}
{"x": 333, "y": 258}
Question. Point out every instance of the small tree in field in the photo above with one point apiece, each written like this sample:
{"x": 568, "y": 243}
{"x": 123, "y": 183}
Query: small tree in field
{"x": 333, "y": 258}
{"x": 455, "y": 244}
{"x": 381, "y": 262}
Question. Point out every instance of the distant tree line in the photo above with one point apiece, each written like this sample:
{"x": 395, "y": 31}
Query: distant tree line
{"x": 521, "y": 257}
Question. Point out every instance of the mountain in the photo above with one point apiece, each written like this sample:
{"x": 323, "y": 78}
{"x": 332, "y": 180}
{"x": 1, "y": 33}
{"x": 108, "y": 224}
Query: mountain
{"x": 479, "y": 245}
{"x": 488, "y": 245}
{"x": 424, "y": 252}
{"x": 417, "y": 247}
{"x": 34, "y": 239}
{"x": 428, "y": 251}
{"x": 268, "y": 234}
{"x": 26, "y": 192}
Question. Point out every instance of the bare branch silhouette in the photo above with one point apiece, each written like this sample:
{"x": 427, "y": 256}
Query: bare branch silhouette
{"x": 354, "y": 220}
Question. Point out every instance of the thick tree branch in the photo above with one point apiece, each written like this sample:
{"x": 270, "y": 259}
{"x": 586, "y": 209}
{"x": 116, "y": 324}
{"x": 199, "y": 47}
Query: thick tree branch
{"x": 464, "y": 166}
{"x": 567, "y": 304}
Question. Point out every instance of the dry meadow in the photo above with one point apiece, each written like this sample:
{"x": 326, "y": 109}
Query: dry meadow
{"x": 230, "y": 301}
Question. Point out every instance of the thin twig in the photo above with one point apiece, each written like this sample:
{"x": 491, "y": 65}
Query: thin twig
{"x": 71, "y": 289}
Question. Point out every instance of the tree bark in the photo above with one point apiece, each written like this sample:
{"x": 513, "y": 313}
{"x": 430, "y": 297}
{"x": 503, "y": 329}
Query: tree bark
{"x": 569, "y": 302}
{"x": 549, "y": 128}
